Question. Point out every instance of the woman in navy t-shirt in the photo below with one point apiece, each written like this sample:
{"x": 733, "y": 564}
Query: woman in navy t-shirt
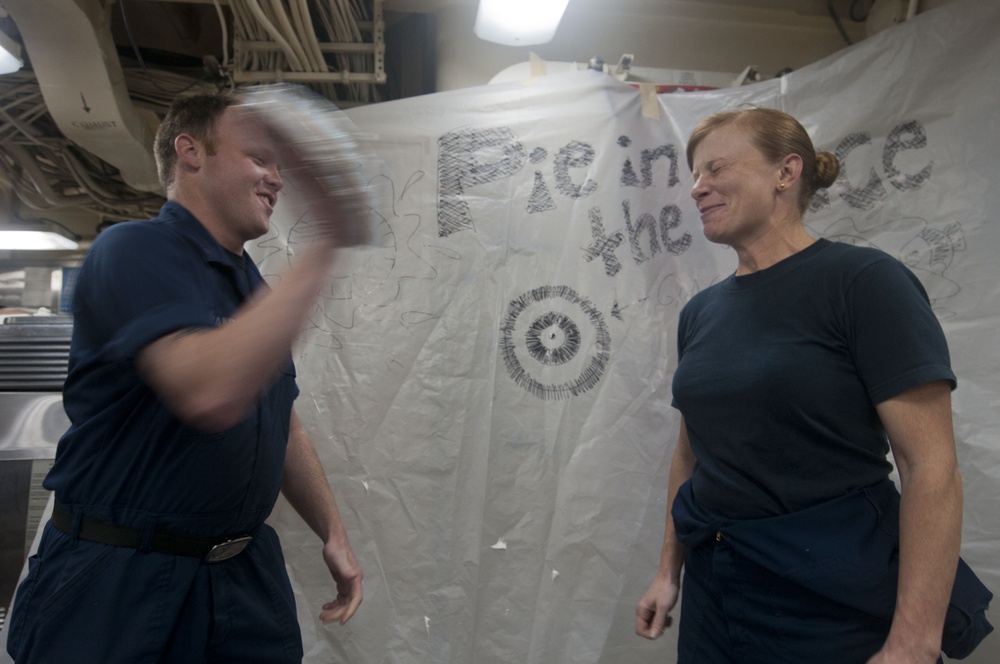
{"x": 797, "y": 375}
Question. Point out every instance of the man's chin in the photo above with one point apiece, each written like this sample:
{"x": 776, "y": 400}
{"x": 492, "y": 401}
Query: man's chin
{"x": 263, "y": 227}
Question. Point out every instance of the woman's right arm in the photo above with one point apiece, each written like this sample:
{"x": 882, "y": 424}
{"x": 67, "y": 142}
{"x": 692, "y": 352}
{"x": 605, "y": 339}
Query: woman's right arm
{"x": 652, "y": 613}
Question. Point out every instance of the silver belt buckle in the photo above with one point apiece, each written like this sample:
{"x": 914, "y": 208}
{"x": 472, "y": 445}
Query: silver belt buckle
{"x": 228, "y": 549}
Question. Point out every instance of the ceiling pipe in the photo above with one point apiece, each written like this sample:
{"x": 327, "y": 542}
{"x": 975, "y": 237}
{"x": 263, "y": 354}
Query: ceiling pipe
{"x": 73, "y": 55}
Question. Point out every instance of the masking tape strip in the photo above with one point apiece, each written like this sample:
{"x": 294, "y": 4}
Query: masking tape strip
{"x": 537, "y": 65}
{"x": 650, "y": 102}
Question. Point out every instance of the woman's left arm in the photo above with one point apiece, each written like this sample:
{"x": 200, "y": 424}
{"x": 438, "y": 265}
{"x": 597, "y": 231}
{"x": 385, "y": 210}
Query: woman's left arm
{"x": 919, "y": 425}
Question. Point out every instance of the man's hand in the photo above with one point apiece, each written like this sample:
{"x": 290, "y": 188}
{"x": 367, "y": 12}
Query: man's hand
{"x": 347, "y": 573}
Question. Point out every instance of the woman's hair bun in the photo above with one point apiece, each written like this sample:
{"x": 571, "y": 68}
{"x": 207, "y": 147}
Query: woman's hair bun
{"x": 827, "y": 168}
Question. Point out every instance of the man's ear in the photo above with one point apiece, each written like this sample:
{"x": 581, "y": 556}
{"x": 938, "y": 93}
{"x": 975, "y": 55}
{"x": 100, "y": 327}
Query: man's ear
{"x": 189, "y": 151}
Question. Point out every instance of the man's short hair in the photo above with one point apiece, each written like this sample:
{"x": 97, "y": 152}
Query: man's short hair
{"x": 195, "y": 115}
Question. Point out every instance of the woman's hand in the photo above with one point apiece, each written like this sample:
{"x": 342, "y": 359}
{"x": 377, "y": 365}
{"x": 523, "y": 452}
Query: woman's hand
{"x": 652, "y": 613}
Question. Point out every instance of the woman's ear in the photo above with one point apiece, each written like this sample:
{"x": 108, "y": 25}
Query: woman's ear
{"x": 789, "y": 171}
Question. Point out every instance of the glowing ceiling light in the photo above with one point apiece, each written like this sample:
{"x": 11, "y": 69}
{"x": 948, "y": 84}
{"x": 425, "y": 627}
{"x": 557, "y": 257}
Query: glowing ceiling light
{"x": 519, "y": 22}
{"x": 31, "y": 237}
{"x": 10, "y": 55}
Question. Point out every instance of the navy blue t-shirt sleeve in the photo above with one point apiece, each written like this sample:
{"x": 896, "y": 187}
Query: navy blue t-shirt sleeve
{"x": 896, "y": 338}
{"x": 682, "y": 330}
{"x": 137, "y": 287}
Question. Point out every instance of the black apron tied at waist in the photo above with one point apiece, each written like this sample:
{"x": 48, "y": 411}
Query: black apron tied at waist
{"x": 846, "y": 549}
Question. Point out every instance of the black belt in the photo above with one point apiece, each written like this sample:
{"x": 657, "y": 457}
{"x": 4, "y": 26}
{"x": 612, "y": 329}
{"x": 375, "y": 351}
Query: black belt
{"x": 212, "y": 550}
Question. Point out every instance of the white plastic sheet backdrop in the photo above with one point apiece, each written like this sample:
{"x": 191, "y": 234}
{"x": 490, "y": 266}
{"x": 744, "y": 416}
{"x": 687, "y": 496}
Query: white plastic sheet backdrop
{"x": 489, "y": 384}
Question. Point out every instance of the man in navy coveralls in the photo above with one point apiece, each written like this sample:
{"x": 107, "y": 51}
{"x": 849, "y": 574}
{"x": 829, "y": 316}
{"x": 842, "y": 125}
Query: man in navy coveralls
{"x": 182, "y": 431}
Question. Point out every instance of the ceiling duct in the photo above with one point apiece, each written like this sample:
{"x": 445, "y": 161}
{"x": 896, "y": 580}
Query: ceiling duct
{"x": 74, "y": 59}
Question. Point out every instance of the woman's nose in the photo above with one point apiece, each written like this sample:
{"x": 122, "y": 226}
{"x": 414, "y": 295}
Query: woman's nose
{"x": 698, "y": 189}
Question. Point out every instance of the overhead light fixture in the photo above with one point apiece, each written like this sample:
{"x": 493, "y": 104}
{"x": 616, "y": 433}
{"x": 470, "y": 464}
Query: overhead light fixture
{"x": 10, "y": 55}
{"x": 36, "y": 236}
{"x": 519, "y": 22}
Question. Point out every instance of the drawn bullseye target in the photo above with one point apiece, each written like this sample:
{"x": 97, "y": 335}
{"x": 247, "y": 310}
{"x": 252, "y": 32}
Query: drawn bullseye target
{"x": 555, "y": 344}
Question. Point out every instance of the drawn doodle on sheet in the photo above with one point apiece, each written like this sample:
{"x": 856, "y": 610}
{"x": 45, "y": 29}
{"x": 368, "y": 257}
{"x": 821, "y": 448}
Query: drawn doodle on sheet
{"x": 470, "y": 157}
{"x": 648, "y": 158}
{"x": 555, "y": 343}
{"x": 604, "y": 245}
{"x": 365, "y": 278}
{"x": 540, "y": 199}
{"x": 872, "y": 192}
{"x": 645, "y": 223}
{"x": 473, "y": 157}
{"x": 616, "y": 311}
{"x": 656, "y": 231}
{"x": 928, "y": 250}
{"x": 671, "y": 291}
{"x": 906, "y": 137}
{"x": 576, "y": 154}
{"x": 930, "y": 254}
{"x": 628, "y": 177}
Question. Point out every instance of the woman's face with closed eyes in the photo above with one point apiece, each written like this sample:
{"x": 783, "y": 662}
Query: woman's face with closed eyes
{"x": 735, "y": 187}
